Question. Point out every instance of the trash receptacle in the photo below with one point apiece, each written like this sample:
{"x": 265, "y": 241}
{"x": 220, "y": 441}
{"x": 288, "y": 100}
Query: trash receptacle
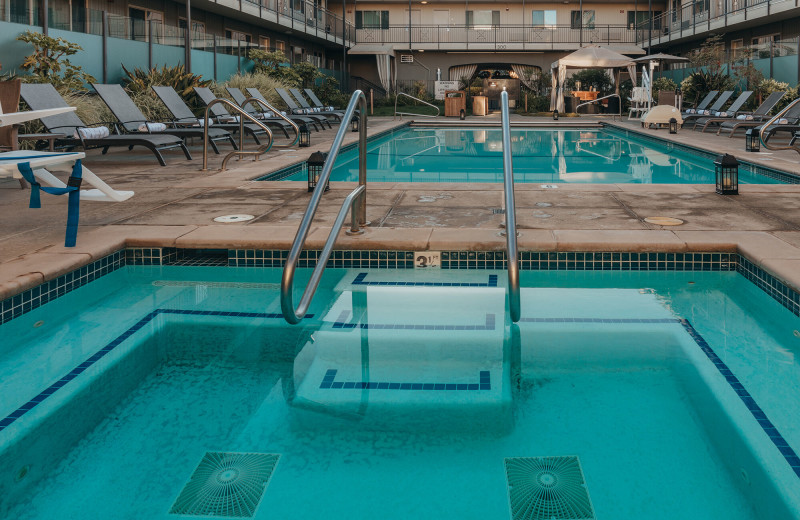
{"x": 570, "y": 103}
{"x": 613, "y": 105}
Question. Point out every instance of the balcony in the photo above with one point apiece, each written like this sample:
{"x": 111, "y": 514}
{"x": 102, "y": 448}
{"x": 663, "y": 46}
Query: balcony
{"x": 495, "y": 37}
{"x": 695, "y": 19}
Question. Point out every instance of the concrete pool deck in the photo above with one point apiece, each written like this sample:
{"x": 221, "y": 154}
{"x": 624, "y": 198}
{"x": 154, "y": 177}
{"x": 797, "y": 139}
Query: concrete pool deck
{"x": 174, "y": 206}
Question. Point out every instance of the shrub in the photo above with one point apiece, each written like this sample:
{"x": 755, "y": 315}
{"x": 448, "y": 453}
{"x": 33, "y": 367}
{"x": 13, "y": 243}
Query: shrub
{"x": 264, "y": 83}
{"x": 699, "y": 83}
{"x": 330, "y": 94}
{"x": 663, "y": 83}
{"x": 274, "y": 64}
{"x": 138, "y": 83}
{"x": 48, "y": 63}
{"x": 597, "y": 78}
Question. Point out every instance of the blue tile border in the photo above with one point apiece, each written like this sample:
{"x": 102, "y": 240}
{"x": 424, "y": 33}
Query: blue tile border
{"x": 329, "y": 383}
{"x": 97, "y": 356}
{"x": 342, "y": 323}
{"x": 30, "y": 299}
{"x": 755, "y": 410}
{"x": 360, "y": 279}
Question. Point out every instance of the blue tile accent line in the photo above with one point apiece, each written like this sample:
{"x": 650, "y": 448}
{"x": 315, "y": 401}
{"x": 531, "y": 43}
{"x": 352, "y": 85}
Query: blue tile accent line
{"x": 329, "y": 383}
{"x": 755, "y": 410}
{"x": 360, "y": 280}
{"x": 341, "y": 323}
{"x": 97, "y": 356}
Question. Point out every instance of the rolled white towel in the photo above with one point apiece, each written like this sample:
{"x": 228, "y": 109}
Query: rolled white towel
{"x": 706, "y": 112}
{"x": 95, "y": 132}
{"x": 330, "y": 109}
{"x": 744, "y": 117}
{"x": 267, "y": 114}
{"x": 691, "y": 111}
{"x": 782, "y": 121}
{"x": 722, "y": 114}
{"x": 152, "y": 127}
{"x": 201, "y": 122}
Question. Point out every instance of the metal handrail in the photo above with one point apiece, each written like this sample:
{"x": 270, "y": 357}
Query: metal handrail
{"x": 401, "y": 114}
{"x": 356, "y": 200}
{"x": 771, "y": 121}
{"x": 600, "y": 99}
{"x": 511, "y": 216}
{"x": 264, "y": 103}
{"x": 240, "y": 152}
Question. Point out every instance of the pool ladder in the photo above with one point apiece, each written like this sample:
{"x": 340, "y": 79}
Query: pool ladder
{"x": 356, "y": 201}
{"x": 775, "y": 118}
{"x": 511, "y": 215}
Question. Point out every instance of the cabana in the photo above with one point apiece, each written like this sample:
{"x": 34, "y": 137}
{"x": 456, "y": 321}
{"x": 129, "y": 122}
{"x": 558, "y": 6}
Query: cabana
{"x": 589, "y": 57}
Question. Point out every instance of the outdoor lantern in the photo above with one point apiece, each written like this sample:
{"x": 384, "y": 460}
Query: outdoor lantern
{"x": 305, "y": 136}
{"x": 673, "y": 125}
{"x": 752, "y": 140}
{"x": 354, "y": 124}
{"x": 555, "y": 115}
{"x": 726, "y": 168}
{"x": 315, "y": 164}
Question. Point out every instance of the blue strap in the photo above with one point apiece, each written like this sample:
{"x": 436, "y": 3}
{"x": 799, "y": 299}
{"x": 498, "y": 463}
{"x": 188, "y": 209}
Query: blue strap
{"x": 73, "y": 189}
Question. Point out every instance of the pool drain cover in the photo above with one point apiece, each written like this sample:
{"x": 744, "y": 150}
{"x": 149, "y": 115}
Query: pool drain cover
{"x": 226, "y": 485}
{"x": 547, "y": 488}
{"x": 226, "y": 219}
{"x": 664, "y": 221}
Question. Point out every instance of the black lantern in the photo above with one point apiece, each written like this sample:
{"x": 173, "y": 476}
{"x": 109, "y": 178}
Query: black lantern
{"x": 305, "y": 135}
{"x": 752, "y": 140}
{"x": 726, "y": 168}
{"x": 555, "y": 115}
{"x": 673, "y": 126}
{"x": 354, "y": 123}
{"x": 315, "y": 164}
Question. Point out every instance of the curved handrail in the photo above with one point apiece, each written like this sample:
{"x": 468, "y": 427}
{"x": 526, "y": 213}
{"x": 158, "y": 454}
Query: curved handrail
{"x": 278, "y": 113}
{"x": 511, "y": 215}
{"x": 771, "y": 121}
{"x": 357, "y": 200}
{"x": 600, "y": 99}
{"x": 401, "y": 114}
{"x": 240, "y": 152}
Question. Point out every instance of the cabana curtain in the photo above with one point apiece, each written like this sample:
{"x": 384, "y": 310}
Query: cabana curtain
{"x": 384, "y": 70}
{"x": 462, "y": 71}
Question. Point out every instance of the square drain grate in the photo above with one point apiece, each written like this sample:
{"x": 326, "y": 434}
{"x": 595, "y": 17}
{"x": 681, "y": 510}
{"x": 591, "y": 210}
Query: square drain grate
{"x": 226, "y": 485}
{"x": 547, "y": 488}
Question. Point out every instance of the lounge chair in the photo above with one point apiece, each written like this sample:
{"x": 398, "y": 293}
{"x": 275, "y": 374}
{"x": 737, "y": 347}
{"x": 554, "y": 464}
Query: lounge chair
{"x": 702, "y": 105}
{"x": 183, "y": 114}
{"x": 317, "y": 103}
{"x": 758, "y": 116}
{"x": 134, "y": 122}
{"x": 667, "y": 97}
{"x": 729, "y": 113}
{"x": 222, "y": 116}
{"x": 295, "y": 109}
{"x": 256, "y": 111}
{"x": 336, "y": 114}
{"x": 43, "y": 96}
{"x": 712, "y": 111}
{"x": 304, "y": 120}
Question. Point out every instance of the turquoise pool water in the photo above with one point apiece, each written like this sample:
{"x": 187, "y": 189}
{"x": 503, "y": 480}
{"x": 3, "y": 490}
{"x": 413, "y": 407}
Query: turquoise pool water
{"x": 541, "y": 155}
{"x": 605, "y": 366}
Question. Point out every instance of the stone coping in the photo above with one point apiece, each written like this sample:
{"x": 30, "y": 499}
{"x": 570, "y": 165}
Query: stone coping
{"x": 778, "y": 254}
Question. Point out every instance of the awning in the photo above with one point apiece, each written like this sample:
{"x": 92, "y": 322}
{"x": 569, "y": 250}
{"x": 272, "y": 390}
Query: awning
{"x": 630, "y": 50}
{"x": 371, "y": 48}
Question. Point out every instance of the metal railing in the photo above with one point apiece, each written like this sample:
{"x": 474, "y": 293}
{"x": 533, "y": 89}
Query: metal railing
{"x": 600, "y": 99}
{"x": 264, "y": 103}
{"x": 240, "y": 152}
{"x": 765, "y": 128}
{"x": 511, "y": 215}
{"x": 401, "y": 114}
{"x": 356, "y": 201}
{"x": 496, "y": 37}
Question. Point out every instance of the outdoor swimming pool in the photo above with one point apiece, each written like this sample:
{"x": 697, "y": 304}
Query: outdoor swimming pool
{"x": 541, "y": 155}
{"x": 406, "y": 393}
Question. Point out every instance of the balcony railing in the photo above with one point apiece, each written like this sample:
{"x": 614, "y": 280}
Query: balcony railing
{"x": 497, "y": 37}
{"x": 701, "y": 17}
{"x": 306, "y": 17}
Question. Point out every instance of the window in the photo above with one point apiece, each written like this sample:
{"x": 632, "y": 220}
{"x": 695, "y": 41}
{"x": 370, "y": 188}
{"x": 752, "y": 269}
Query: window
{"x": 483, "y": 20}
{"x": 237, "y": 35}
{"x": 280, "y": 46}
{"x": 18, "y": 11}
{"x": 263, "y": 42}
{"x": 141, "y": 22}
{"x": 198, "y": 28}
{"x": 544, "y": 18}
{"x": 372, "y": 19}
{"x": 588, "y": 19}
{"x": 763, "y": 46}
{"x": 736, "y": 48}
{"x": 641, "y": 20}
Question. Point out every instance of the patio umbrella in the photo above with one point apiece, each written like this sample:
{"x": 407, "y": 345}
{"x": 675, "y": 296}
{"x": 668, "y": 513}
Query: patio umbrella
{"x": 660, "y": 58}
